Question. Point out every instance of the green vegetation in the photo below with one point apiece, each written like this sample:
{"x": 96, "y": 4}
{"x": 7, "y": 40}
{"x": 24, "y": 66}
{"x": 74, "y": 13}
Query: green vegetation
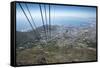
{"x": 51, "y": 53}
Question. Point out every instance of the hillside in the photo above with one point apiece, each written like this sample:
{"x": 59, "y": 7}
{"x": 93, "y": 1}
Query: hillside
{"x": 64, "y": 44}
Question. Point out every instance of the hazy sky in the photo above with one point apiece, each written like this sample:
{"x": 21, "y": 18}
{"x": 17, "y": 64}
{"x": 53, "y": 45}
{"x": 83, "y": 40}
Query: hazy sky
{"x": 60, "y": 15}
